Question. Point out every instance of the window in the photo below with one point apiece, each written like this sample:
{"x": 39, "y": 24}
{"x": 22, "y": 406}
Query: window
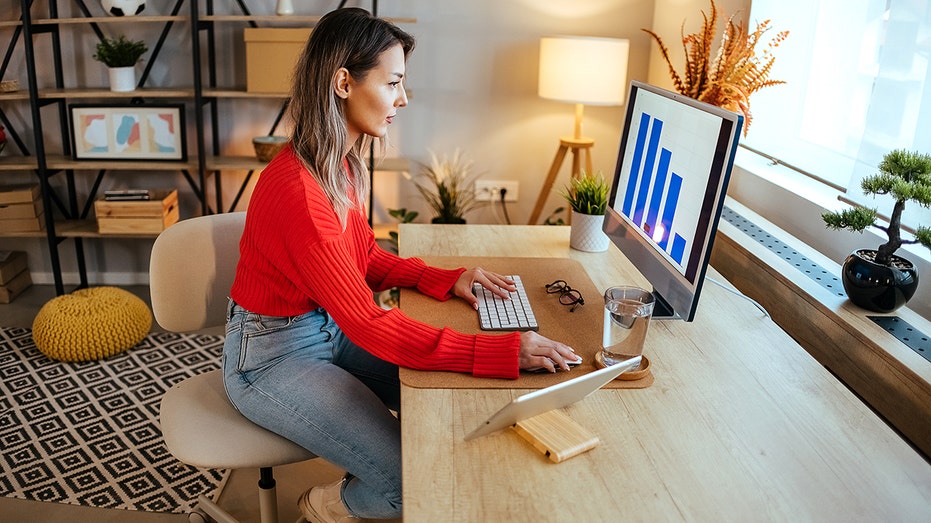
{"x": 858, "y": 85}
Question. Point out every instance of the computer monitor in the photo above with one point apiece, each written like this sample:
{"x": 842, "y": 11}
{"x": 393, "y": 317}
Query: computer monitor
{"x": 673, "y": 166}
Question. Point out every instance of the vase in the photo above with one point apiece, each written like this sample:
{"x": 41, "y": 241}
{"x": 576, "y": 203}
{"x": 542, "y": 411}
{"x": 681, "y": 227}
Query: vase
{"x": 284, "y": 7}
{"x": 875, "y": 287}
{"x": 586, "y": 233}
{"x": 122, "y": 79}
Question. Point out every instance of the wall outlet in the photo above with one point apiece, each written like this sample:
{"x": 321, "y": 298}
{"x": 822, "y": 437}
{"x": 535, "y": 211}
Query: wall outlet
{"x": 490, "y": 190}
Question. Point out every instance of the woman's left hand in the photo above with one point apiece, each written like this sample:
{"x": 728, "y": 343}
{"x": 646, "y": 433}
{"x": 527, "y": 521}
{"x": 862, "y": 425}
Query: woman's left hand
{"x": 489, "y": 280}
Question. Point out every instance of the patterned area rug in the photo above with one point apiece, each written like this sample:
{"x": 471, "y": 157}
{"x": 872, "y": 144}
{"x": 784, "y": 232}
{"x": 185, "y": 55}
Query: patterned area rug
{"x": 88, "y": 433}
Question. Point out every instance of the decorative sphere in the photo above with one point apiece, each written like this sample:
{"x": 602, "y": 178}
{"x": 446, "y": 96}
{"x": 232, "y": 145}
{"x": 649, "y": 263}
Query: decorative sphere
{"x": 123, "y": 7}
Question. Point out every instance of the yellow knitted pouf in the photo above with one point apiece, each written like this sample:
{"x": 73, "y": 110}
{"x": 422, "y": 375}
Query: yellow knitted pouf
{"x": 91, "y": 324}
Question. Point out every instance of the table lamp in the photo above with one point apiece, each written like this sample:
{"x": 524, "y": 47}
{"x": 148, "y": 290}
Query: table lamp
{"x": 580, "y": 70}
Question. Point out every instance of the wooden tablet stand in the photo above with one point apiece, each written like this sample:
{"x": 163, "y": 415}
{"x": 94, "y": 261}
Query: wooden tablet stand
{"x": 556, "y": 435}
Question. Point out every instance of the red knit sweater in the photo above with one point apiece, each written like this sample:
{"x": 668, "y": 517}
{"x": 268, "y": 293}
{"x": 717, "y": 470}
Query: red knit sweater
{"x": 295, "y": 257}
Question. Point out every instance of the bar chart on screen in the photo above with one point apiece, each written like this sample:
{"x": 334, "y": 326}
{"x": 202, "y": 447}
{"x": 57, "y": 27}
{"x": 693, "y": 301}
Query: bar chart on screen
{"x": 657, "y": 179}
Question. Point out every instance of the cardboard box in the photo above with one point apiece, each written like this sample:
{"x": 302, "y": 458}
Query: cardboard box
{"x": 150, "y": 216}
{"x": 11, "y": 211}
{"x": 11, "y": 264}
{"x": 23, "y": 224}
{"x": 271, "y": 54}
{"x": 15, "y": 287}
{"x": 21, "y": 209}
{"x": 21, "y": 193}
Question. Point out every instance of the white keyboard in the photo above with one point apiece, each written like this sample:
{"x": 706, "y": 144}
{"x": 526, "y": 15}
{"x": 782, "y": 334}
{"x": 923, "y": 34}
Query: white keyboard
{"x": 498, "y": 314}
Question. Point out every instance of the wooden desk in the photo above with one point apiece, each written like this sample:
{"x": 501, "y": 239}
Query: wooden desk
{"x": 741, "y": 424}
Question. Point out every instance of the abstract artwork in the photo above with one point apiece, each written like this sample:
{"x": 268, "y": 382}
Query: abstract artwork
{"x": 128, "y": 132}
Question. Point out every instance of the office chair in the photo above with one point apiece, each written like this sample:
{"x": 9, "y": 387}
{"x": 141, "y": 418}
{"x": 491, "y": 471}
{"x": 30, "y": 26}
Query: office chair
{"x": 190, "y": 274}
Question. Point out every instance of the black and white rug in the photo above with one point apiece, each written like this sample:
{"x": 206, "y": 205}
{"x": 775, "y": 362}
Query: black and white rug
{"x": 88, "y": 433}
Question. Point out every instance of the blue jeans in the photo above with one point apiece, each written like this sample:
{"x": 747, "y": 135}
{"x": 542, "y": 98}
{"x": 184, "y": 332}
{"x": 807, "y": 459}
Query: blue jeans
{"x": 302, "y": 378}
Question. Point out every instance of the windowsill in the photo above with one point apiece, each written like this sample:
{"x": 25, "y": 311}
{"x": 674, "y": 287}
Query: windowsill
{"x": 794, "y": 202}
{"x": 806, "y": 187}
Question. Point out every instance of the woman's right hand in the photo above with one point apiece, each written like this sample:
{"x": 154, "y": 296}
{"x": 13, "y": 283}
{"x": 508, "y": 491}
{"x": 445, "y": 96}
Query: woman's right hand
{"x": 539, "y": 352}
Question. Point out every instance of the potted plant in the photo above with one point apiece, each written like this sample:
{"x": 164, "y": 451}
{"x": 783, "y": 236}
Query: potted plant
{"x": 448, "y": 186}
{"x": 588, "y": 199}
{"x": 877, "y": 279}
{"x": 725, "y": 77}
{"x": 120, "y": 55}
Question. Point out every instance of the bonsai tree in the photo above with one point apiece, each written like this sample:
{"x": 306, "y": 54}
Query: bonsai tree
{"x": 904, "y": 175}
{"x": 588, "y": 194}
{"x": 120, "y": 52}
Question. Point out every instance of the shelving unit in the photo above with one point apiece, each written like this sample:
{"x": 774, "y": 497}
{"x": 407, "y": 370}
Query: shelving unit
{"x": 38, "y": 34}
{"x": 67, "y": 208}
{"x": 204, "y": 24}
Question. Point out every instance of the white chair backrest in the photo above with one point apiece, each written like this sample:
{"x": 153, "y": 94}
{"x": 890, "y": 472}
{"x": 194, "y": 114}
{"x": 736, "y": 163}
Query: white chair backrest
{"x": 191, "y": 271}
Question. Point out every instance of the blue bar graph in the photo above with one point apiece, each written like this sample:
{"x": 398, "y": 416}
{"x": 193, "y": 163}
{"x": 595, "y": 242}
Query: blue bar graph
{"x": 654, "y": 211}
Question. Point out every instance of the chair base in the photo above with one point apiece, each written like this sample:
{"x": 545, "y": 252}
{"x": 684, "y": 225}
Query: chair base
{"x": 208, "y": 510}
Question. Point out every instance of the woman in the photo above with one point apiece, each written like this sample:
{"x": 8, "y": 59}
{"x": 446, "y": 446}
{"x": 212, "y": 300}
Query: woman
{"x": 308, "y": 353}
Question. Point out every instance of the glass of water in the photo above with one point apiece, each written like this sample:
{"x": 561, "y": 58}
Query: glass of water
{"x": 627, "y": 315}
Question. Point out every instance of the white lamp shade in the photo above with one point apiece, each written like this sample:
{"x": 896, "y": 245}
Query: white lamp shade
{"x": 584, "y": 70}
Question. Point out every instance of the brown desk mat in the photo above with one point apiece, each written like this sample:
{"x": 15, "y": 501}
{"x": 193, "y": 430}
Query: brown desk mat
{"x": 581, "y": 329}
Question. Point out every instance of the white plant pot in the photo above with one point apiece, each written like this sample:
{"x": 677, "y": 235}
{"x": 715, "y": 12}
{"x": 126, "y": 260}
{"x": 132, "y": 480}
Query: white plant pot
{"x": 122, "y": 79}
{"x": 586, "y": 234}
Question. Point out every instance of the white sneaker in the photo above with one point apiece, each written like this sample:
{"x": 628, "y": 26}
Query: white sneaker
{"x": 323, "y": 505}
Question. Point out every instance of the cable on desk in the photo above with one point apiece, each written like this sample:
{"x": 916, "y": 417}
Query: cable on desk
{"x": 504, "y": 206}
{"x": 738, "y": 293}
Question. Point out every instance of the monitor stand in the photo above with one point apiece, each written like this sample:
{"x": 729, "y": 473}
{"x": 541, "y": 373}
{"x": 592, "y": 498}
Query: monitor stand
{"x": 661, "y": 308}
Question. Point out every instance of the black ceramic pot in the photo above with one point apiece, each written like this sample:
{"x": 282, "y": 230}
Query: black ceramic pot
{"x": 448, "y": 221}
{"x": 879, "y": 288}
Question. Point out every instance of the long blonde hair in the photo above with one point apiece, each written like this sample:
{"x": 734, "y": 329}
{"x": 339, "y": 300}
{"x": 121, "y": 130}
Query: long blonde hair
{"x": 350, "y": 38}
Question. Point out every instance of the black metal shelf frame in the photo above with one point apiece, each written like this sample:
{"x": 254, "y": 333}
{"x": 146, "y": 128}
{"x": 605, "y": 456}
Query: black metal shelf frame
{"x": 70, "y": 208}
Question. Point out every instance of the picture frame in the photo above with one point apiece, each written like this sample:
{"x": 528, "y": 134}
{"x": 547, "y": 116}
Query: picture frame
{"x": 128, "y": 132}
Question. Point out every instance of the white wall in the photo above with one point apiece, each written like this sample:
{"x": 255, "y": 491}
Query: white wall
{"x": 473, "y": 82}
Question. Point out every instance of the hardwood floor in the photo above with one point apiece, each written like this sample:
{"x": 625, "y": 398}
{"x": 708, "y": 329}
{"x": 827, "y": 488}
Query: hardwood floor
{"x": 239, "y": 496}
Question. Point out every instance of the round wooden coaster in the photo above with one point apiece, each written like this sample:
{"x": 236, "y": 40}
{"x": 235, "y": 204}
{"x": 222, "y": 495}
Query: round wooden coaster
{"x": 636, "y": 374}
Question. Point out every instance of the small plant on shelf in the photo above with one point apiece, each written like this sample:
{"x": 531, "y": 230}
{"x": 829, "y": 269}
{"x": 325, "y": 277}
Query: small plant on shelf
{"x": 120, "y": 51}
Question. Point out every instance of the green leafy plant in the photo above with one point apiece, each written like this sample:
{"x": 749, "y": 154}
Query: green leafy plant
{"x": 448, "y": 186}
{"x": 555, "y": 218}
{"x": 403, "y": 216}
{"x": 588, "y": 194}
{"x": 904, "y": 175}
{"x": 119, "y": 51}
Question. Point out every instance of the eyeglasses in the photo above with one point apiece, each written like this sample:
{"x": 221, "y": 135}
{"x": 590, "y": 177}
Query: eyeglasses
{"x": 567, "y": 295}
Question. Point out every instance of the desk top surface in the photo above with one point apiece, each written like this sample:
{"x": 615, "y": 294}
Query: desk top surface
{"x": 741, "y": 423}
